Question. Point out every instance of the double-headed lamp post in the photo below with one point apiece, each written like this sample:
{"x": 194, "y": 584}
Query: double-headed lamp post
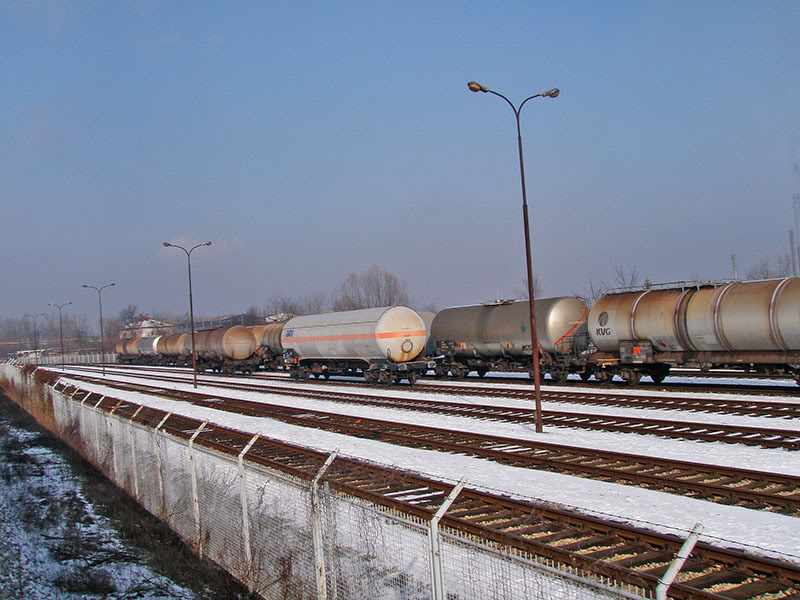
{"x": 61, "y": 329}
{"x": 35, "y": 342}
{"x": 477, "y": 87}
{"x": 191, "y": 307}
{"x": 100, "y": 299}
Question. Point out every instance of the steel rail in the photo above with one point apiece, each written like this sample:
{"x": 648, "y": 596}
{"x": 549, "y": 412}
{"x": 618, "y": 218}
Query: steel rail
{"x": 601, "y": 547}
{"x": 754, "y": 489}
{"x": 709, "y": 432}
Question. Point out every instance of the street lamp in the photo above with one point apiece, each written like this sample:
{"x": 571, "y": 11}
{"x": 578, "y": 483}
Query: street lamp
{"x": 100, "y": 299}
{"x": 191, "y": 307}
{"x": 553, "y": 93}
{"x": 35, "y": 342}
{"x": 61, "y": 330}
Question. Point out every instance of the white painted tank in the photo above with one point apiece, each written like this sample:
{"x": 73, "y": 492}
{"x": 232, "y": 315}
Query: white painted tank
{"x": 397, "y": 333}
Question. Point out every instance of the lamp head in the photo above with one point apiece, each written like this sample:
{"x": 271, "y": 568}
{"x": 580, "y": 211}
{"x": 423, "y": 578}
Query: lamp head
{"x": 551, "y": 93}
{"x": 207, "y": 244}
{"x": 474, "y": 86}
{"x": 111, "y": 284}
{"x": 167, "y": 244}
{"x": 84, "y": 285}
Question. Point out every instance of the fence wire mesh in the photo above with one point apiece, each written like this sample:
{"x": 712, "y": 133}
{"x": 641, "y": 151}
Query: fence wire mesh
{"x": 258, "y": 524}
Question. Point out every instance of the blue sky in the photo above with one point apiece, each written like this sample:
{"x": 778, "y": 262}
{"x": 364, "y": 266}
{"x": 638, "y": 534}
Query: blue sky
{"x": 308, "y": 141}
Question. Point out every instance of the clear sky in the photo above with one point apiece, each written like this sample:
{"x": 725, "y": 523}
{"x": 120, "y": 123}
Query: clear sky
{"x": 309, "y": 140}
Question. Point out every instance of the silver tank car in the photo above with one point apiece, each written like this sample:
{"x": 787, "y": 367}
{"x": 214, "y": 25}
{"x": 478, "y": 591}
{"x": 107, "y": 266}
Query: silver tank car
{"x": 496, "y": 336}
{"x": 503, "y": 328}
{"x": 427, "y": 318}
{"x": 268, "y": 339}
{"x": 734, "y": 317}
{"x": 147, "y": 345}
{"x": 395, "y": 333}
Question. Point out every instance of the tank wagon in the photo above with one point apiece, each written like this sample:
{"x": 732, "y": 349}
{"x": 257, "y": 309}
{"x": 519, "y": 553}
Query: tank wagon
{"x": 268, "y": 338}
{"x": 225, "y": 349}
{"x": 379, "y": 343}
{"x": 137, "y": 350}
{"x": 496, "y": 337}
{"x": 753, "y": 324}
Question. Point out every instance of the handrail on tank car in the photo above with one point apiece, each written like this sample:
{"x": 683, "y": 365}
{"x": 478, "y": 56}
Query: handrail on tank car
{"x": 668, "y": 285}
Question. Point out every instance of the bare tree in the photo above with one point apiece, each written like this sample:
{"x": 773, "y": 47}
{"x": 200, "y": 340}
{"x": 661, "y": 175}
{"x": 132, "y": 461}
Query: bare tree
{"x": 312, "y": 304}
{"x": 128, "y": 315}
{"x": 624, "y": 276}
{"x": 373, "y": 288}
{"x": 522, "y": 292}
{"x": 591, "y": 292}
{"x": 771, "y": 267}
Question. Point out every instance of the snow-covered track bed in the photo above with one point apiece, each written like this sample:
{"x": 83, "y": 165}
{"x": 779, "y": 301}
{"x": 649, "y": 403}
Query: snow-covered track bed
{"x": 724, "y": 485}
{"x": 537, "y": 530}
{"x": 690, "y": 384}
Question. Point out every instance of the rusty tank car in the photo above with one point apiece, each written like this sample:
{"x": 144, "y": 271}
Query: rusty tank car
{"x": 224, "y": 349}
{"x": 496, "y": 336}
{"x": 752, "y": 324}
{"x": 379, "y": 344}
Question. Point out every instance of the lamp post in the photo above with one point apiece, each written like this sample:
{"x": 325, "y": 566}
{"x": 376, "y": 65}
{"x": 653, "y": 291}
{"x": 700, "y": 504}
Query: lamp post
{"x": 477, "y": 87}
{"x": 61, "y": 330}
{"x": 35, "y": 342}
{"x": 100, "y": 299}
{"x": 191, "y": 307}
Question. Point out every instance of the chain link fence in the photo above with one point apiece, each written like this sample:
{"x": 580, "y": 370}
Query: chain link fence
{"x": 285, "y": 537}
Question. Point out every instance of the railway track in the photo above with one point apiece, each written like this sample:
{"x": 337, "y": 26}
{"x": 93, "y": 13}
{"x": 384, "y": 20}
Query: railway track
{"x": 604, "y": 549}
{"x": 606, "y": 397}
{"x": 738, "y": 434}
{"x": 789, "y": 389}
{"x": 751, "y": 489}
{"x": 754, "y": 408}
{"x": 724, "y": 406}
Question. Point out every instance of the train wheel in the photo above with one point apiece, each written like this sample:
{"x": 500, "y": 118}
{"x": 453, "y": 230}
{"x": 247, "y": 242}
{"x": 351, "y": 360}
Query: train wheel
{"x": 326, "y": 375}
{"x": 604, "y": 376}
{"x": 585, "y": 375}
{"x": 385, "y": 378}
{"x": 439, "y": 372}
{"x": 481, "y": 371}
{"x": 631, "y": 377}
{"x": 304, "y": 373}
{"x": 370, "y": 376}
{"x": 458, "y": 372}
{"x": 412, "y": 378}
{"x": 558, "y": 376}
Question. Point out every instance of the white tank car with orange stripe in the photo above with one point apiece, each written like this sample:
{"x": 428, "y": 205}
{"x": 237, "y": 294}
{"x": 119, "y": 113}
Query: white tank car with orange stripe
{"x": 396, "y": 333}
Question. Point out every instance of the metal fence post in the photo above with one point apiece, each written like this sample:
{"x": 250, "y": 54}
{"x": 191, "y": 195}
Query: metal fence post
{"x": 159, "y": 468}
{"x": 669, "y": 576}
{"x": 433, "y": 536}
{"x": 132, "y": 434}
{"x": 96, "y": 427}
{"x": 319, "y": 550}
{"x": 245, "y": 518}
{"x": 109, "y": 422}
{"x": 195, "y": 499}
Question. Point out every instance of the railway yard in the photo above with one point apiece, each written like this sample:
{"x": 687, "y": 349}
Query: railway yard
{"x": 612, "y": 486}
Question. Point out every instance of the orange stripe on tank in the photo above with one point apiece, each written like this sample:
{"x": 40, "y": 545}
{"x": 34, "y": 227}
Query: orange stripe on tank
{"x": 355, "y": 336}
{"x": 574, "y": 327}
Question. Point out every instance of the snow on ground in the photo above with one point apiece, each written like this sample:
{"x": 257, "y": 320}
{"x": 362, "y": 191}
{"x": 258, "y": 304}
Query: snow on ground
{"x": 769, "y": 534}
